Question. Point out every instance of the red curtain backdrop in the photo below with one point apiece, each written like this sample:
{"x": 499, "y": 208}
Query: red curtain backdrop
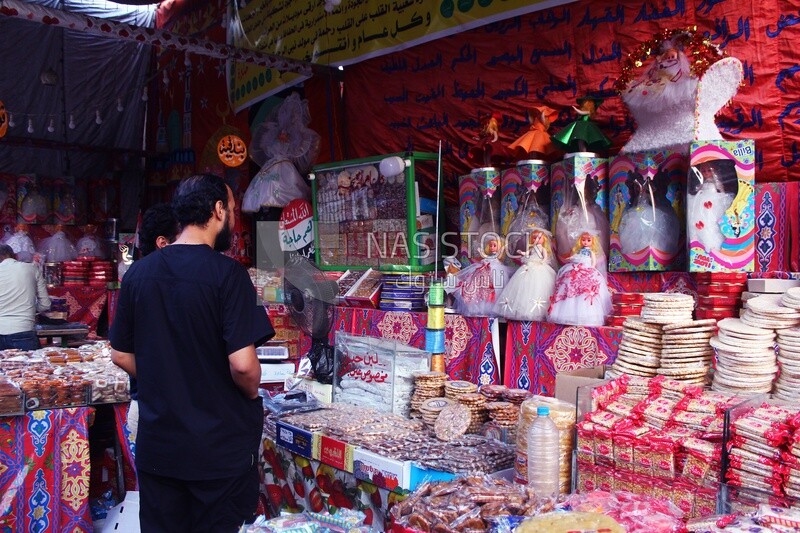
{"x": 435, "y": 91}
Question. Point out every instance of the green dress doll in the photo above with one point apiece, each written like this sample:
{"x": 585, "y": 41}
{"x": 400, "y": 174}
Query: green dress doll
{"x": 583, "y": 135}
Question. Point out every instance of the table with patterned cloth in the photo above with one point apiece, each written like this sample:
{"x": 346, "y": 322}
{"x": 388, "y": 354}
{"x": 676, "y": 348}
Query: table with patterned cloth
{"x": 537, "y": 351}
{"x": 293, "y": 483}
{"x": 84, "y": 303}
{"x": 469, "y": 350}
{"x": 45, "y": 456}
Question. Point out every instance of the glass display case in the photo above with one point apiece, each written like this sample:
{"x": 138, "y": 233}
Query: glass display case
{"x": 365, "y": 219}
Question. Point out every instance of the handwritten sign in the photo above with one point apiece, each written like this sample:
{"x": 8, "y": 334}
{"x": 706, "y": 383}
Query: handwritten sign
{"x": 355, "y": 31}
{"x": 232, "y": 151}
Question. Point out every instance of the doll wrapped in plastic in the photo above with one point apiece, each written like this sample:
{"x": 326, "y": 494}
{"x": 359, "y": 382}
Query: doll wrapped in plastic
{"x": 578, "y": 214}
{"x": 536, "y": 143}
{"x": 479, "y": 286}
{"x": 583, "y": 135}
{"x": 649, "y": 221}
{"x": 527, "y": 295}
{"x": 89, "y": 245}
{"x": 34, "y": 207}
{"x": 581, "y": 295}
{"x": 529, "y": 217}
{"x": 57, "y": 248}
{"x": 712, "y": 187}
{"x": 22, "y": 244}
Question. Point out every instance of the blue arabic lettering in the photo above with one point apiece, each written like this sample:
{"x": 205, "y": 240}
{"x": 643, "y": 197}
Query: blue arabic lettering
{"x": 553, "y": 86}
{"x": 433, "y": 63}
{"x": 708, "y": 5}
{"x": 597, "y": 55}
{"x": 785, "y": 74}
{"x": 792, "y": 107}
{"x": 783, "y": 23}
{"x": 468, "y": 94}
{"x": 424, "y": 123}
{"x": 434, "y": 94}
{"x": 520, "y": 89}
{"x": 466, "y": 54}
{"x": 402, "y": 97}
{"x": 723, "y": 31}
{"x": 655, "y": 14}
{"x": 394, "y": 65}
{"x": 507, "y": 58}
{"x": 537, "y": 53}
{"x": 749, "y": 72}
{"x": 609, "y": 16}
{"x": 549, "y": 18}
{"x": 504, "y": 26}
{"x": 741, "y": 121}
{"x": 795, "y": 157}
{"x": 405, "y": 123}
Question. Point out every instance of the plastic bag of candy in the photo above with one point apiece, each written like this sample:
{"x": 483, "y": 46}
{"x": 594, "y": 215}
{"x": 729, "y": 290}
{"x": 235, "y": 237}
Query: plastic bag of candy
{"x": 636, "y": 513}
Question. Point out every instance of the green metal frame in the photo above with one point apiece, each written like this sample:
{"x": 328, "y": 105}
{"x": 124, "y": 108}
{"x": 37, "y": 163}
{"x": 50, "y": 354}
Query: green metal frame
{"x": 411, "y": 218}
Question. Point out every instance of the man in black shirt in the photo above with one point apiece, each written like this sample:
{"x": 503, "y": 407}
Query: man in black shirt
{"x": 186, "y": 327}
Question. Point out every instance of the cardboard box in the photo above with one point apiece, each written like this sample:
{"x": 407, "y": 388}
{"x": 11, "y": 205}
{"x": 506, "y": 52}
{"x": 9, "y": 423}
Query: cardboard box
{"x": 632, "y": 178}
{"x": 334, "y": 453}
{"x": 296, "y": 440}
{"x": 472, "y": 199}
{"x": 385, "y": 473}
{"x": 565, "y": 177}
{"x": 772, "y": 286}
{"x": 567, "y": 383}
{"x": 720, "y": 206}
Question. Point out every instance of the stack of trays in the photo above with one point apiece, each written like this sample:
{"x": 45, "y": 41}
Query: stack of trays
{"x": 403, "y": 293}
{"x": 101, "y": 273}
{"x": 76, "y": 273}
{"x": 626, "y": 304}
{"x": 746, "y": 360}
{"x": 431, "y": 408}
{"x": 719, "y": 294}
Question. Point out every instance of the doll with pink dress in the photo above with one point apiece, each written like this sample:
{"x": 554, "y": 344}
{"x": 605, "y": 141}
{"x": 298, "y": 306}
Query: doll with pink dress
{"x": 478, "y": 287}
{"x": 581, "y": 295}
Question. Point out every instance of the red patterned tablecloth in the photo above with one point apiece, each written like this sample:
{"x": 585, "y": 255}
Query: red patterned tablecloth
{"x": 85, "y": 303}
{"x": 469, "y": 351}
{"x": 536, "y": 351}
{"x": 46, "y": 455}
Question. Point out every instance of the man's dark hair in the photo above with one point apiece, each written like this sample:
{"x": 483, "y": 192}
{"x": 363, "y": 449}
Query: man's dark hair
{"x": 196, "y": 197}
{"x": 158, "y": 220}
{"x": 6, "y": 252}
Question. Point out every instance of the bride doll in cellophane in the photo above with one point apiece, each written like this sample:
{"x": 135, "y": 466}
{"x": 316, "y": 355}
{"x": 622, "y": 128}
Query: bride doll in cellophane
{"x": 578, "y": 214}
{"x": 527, "y": 295}
{"x": 22, "y": 244}
{"x": 58, "y": 248}
{"x": 712, "y": 186}
{"x": 581, "y": 295}
{"x": 479, "y": 286}
{"x": 649, "y": 221}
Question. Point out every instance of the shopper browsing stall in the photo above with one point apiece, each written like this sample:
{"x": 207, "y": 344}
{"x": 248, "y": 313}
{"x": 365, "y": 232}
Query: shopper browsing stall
{"x": 186, "y": 327}
{"x": 22, "y": 295}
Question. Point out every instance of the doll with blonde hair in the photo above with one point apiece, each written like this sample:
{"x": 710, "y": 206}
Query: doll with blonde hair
{"x": 581, "y": 295}
{"x": 527, "y": 295}
{"x": 479, "y": 286}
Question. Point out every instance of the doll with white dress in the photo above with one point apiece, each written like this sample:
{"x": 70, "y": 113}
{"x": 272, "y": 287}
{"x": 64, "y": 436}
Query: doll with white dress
{"x": 480, "y": 285}
{"x": 527, "y": 295}
{"x": 649, "y": 222}
{"x": 581, "y": 295}
{"x": 712, "y": 187}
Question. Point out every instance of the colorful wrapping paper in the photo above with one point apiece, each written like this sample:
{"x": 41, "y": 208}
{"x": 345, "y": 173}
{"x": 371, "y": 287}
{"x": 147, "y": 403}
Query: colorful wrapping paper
{"x": 54, "y": 495}
{"x": 772, "y": 227}
{"x": 537, "y": 351}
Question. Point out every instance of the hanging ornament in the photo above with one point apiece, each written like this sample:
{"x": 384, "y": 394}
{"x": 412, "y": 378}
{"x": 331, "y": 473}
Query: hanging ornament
{"x": 71, "y": 122}
{"x": 30, "y": 125}
{"x": 51, "y": 126}
{"x": 120, "y": 107}
{"x": 97, "y": 118}
{"x": 232, "y": 150}
{"x": 11, "y": 122}
{"x": 144, "y": 94}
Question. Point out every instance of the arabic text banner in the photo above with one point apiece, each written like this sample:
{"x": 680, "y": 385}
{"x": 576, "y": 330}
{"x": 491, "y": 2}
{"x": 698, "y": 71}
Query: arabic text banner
{"x": 354, "y": 31}
{"x": 416, "y": 97}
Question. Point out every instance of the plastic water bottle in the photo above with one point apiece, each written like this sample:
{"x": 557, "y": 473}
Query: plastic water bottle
{"x": 543, "y": 454}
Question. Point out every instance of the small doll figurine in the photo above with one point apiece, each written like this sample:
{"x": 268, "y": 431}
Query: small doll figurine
{"x": 712, "y": 187}
{"x": 479, "y": 286}
{"x": 481, "y": 152}
{"x": 649, "y": 223}
{"x": 583, "y": 135}
{"x": 581, "y": 295}
{"x": 22, "y": 244}
{"x": 535, "y": 143}
{"x": 527, "y": 295}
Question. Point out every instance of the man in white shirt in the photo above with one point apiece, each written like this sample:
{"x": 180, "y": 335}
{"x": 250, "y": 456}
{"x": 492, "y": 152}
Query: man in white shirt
{"x": 22, "y": 295}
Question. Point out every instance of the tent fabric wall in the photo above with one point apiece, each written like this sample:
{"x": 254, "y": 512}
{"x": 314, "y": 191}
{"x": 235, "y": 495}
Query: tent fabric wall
{"x": 435, "y": 91}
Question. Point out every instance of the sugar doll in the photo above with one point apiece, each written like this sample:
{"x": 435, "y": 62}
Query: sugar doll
{"x": 479, "y": 286}
{"x": 22, "y": 244}
{"x": 649, "y": 222}
{"x": 580, "y": 213}
{"x": 583, "y": 135}
{"x": 527, "y": 295}
{"x": 711, "y": 194}
{"x": 581, "y": 295}
{"x": 481, "y": 152}
{"x": 536, "y": 143}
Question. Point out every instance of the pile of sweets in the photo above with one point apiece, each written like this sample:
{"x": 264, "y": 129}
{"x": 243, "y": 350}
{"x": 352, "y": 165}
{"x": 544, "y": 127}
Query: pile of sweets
{"x": 654, "y": 436}
{"x": 765, "y": 519}
{"x": 763, "y": 451}
{"x": 343, "y": 521}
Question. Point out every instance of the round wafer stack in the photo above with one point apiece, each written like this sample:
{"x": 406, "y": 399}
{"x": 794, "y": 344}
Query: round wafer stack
{"x": 787, "y": 387}
{"x": 746, "y": 360}
{"x": 516, "y": 396}
{"x": 768, "y": 312}
{"x": 431, "y": 408}
{"x": 427, "y": 385}
{"x": 476, "y": 403}
{"x": 667, "y": 307}
{"x": 639, "y": 351}
{"x": 791, "y": 298}
{"x": 455, "y": 389}
{"x": 686, "y": 354}
{"x": 453, "y": 421}
{"x": 504, "y": 414}
{"x": 493, "y": 393}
